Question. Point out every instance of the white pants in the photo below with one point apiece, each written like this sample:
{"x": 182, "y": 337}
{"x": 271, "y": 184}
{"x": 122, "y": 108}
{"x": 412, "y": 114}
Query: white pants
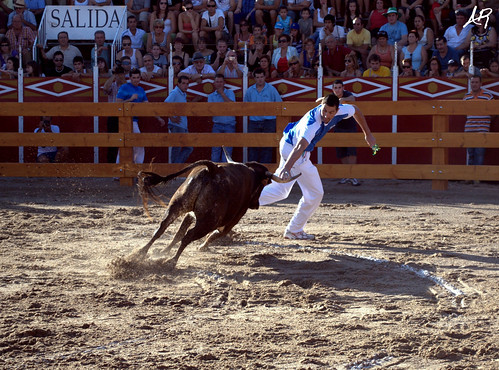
{"x": 138, "y": 152}
{"x": 310, "y": 184}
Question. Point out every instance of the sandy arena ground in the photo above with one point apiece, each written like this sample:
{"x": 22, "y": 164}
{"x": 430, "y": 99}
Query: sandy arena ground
{"x": 400, "y": 277}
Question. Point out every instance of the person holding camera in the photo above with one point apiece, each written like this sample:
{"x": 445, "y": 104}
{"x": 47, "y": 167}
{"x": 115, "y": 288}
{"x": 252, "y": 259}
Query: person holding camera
{"x": 48, "y": 154}
{"x": 230, "y": 68}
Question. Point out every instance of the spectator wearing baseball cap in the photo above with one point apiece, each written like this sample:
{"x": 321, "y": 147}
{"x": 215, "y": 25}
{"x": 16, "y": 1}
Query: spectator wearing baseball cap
{"x": 396, "y": 30}
{"x": 28, "y": 18}
{"x": 385, "y": 51}
{"x": 274, "y": 39}
{"x": 199, "y": 70}
{"x": 296, "y": 37}
{"x": 452, "y": 68}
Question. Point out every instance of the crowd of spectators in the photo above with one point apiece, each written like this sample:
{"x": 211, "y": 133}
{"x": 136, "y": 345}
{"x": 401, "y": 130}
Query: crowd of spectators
{"x": 282, "y": 37}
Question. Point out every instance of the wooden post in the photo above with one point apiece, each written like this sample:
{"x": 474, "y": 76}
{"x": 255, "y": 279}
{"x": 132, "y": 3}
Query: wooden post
{"x": 440, "y": 156}
{"x": 126, "y": 152}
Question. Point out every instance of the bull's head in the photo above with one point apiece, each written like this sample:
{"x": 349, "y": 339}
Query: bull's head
{"x": 263, "y": 177}
{"x": 268, "y": 174}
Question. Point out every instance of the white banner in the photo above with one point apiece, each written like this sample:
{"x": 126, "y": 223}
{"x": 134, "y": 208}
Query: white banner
{"x": 80, "y": 22}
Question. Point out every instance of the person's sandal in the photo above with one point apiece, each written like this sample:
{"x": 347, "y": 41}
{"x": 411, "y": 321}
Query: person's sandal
{"x": 300, "y": 235}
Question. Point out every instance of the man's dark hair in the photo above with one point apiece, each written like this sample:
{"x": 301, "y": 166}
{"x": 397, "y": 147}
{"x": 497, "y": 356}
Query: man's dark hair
{"x": 58, "y": 52}
{"x": 78, "y": 59}
{"x": 61, "y": 33}
{"x": 177, "y": 57}
{"x": 258, "y": 71}
{"x": 374, "y": 57}
{"x": 135, "y": 71}
{"x": 441, "y": 39}
{"x": 99, "y": 32}
{"x": 338, "y": 82}
{"x": 220, "y": 75}
{"x": 330, "y": 17}
{"x": 131, "y": 16}
{"x": 181, "y": 78}
{"x": 331, "y": 100}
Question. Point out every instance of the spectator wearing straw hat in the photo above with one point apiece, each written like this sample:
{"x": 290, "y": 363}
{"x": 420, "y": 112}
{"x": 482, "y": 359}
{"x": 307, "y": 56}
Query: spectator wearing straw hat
{"x": 27, "y": 17}
{"x": 396, "y": 30}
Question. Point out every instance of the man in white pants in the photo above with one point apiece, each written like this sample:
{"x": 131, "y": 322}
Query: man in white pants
{"x": 298, "y": 141}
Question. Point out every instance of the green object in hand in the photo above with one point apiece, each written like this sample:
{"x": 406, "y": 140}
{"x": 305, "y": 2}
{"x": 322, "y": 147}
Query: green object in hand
{"x": 375, "y": 148}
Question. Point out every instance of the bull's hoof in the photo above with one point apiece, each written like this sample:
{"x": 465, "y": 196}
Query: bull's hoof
{"x": 204, "y": 248}
{"x": 169, "y": 264}
{"x": 137, "y": 256}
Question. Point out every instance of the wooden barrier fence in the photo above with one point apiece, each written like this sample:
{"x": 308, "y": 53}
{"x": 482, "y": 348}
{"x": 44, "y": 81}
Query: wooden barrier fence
{"x": 439, "y": 140}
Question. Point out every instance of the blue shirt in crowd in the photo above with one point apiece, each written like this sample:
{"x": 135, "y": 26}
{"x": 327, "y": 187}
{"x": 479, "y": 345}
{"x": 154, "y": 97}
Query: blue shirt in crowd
{"x": 444, "y": 61}
{"x": 127, "y": 90}
{"x": 177, "y": 96}
{"x": 268, "y": 94}
{"x": 394, "y": 31}
{"x": 215, "y": 97}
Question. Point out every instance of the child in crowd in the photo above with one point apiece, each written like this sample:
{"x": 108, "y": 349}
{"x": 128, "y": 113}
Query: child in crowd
{"x": 352, "y": 11}
{"x": 284, "y": 19}
{"x": 306, "y": 24}
{"x": 158, "y": 58}
{"x": 257, "y": 32}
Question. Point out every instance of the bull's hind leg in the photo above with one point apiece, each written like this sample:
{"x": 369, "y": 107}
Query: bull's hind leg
{"x": 214, "y": 235}
{"x": 197, "y": 232}
{"x": 172, "y": 213}
{"x": 186, "y": 223}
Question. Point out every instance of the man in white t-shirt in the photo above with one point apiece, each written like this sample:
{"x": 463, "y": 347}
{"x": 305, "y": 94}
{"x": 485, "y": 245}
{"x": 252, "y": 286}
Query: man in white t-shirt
{"x": 136, "y": 34}
{"x": 213, "y": 23}
{"x": 331, "y": 28}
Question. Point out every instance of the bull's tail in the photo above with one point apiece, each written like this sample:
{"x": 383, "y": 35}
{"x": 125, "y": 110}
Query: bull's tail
{"x": 148, "y": 180}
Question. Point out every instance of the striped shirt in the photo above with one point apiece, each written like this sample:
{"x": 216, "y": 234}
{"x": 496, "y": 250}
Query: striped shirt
{"x": 478, "y": 123}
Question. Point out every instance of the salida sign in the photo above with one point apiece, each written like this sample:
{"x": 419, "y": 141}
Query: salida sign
{"x": 80, "y": 22}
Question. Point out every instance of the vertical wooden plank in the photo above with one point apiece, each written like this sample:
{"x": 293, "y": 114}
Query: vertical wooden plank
{"x": 126, "y": 152}
{"x": 440, "y": 156}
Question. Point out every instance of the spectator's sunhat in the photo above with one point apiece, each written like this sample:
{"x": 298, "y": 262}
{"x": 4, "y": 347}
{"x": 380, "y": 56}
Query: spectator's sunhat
{"x": 19, "y": 4}
{"x": 391, "y": 10}
{"x": 197, "y": 56}
{"x": 452, "y": 62}
{"x": 295, "y": 26}
{"x": 382, "y": 34}
{"x": 279, "y": 25}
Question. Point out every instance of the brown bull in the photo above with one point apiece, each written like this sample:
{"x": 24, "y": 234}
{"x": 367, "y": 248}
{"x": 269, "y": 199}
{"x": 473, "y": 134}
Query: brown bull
{"x": 217, "y": 194}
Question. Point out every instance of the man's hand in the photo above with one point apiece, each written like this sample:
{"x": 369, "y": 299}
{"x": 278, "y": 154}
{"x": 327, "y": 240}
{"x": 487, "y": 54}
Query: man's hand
{"x": 370, "y": 140}
{"x": 161, "y": 121}
{"x": 175, "y": 119}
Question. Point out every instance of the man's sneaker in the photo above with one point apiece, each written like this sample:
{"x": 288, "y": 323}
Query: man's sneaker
{"x": 354, "y": 182}
{"x": 343, "y": 181}
{"x": 300, "y": 235}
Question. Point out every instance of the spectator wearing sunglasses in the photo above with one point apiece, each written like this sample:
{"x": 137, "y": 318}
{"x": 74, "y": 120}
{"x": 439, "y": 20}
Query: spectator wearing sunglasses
{"x": 68, "y": 51}
{"x": 407, "y": 69}
{"x": 295, "y": 70}
{"x": 188, "y": 24}
{"x": 58, "y": 69}
{"x": 134, "y": 54}
{"x": 359, "y": 40}
{"x": 283, "y": 54}
{"x": 351, "y": 66}
{"x": 213, "y": 23}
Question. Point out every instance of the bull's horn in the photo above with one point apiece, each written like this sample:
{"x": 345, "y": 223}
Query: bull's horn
{"x": 227, "y": 155}
{"x": 278, "y": 179}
